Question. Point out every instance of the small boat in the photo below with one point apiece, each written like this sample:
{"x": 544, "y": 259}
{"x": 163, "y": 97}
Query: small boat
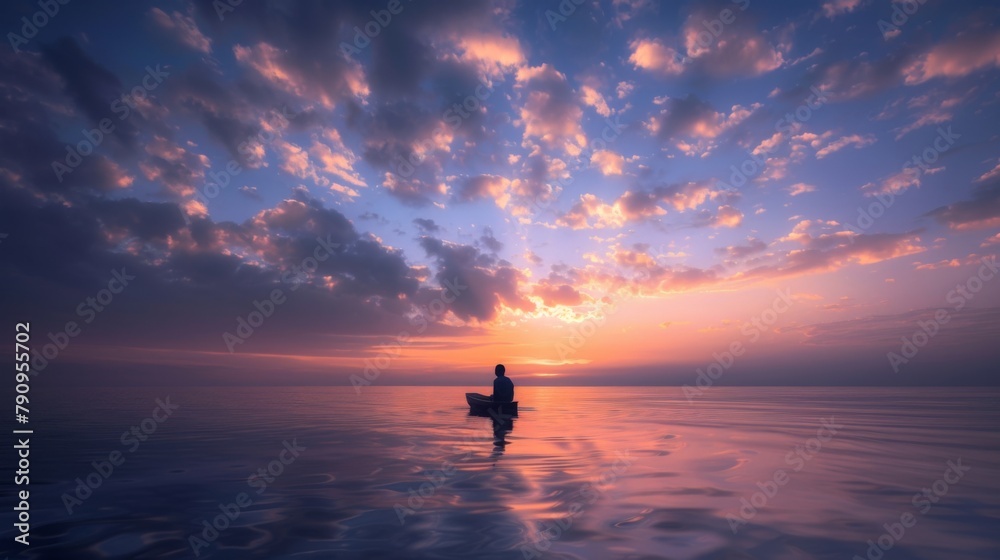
{"x": 484, "y": 402}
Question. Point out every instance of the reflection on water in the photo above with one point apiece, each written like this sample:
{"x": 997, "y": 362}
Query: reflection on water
{"x": 502, "y": 424}
{"x": 403, "y": 472}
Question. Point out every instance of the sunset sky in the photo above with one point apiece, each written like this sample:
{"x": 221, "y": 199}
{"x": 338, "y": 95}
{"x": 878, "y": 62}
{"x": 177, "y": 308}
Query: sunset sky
{"x": 618, "y": 192}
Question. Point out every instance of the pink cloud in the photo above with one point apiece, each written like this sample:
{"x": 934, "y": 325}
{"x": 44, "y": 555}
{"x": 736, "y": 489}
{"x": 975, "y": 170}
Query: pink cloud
{"x": 800, "y": 188}
{"x": 834, "y": 8}
{"x": 550, "y": 112}
{"x": 855, "y": 140}
{"x": 894, "y": 184}
{"x": 608, "y": 162}
{"x": 955, "y": 58}
{"x": 652, "y": 55}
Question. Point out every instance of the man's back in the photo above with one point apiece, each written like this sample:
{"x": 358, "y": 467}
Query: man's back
{"x": 503, "y": 389}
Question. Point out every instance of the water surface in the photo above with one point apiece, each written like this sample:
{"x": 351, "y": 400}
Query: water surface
{"x": 595, "y": 473}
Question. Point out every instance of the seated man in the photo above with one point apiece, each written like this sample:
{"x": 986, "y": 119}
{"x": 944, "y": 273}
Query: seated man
{"x": 503, "y": 387}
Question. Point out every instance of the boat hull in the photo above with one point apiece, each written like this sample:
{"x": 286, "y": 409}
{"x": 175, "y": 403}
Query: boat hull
{"x": 480, "y": 402}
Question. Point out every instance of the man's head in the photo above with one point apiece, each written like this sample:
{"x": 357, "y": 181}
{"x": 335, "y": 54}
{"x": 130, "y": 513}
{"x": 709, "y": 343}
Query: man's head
{"x": 499, "y": 370}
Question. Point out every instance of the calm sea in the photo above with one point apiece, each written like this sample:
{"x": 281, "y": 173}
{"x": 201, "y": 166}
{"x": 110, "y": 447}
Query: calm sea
{"x": 596, "y": 473}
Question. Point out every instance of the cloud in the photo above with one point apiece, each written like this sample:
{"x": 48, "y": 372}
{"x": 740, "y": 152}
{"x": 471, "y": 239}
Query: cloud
{"x": 249, "y": 192}
{"x": 183, "y": 29}
{"x": 624, "y": 89}
{"x": 608, "y": 162}
{"x": 644, "y": 204}
{"x": 593, "y": 98}
{"x": 753, "y": 246}
{"x": 488, "y": 240}
{"x": 692, "y": 118}
{"x": 92, "y": 87}
{"x": 966, "y": 328}
{"x": 948, "y": 263}
{"x": 484, "y": 186}
{"x": 413, "y": 192}
{"x": 648, "y": 277}
{"x": 991, "y": 174}
{"x": 196, "y": 275}
{"x": 558, "y": 294}
{"x": 484, "y": 285}
{"x": 592, "y": 212}
{"x": 427, "y": 225}
{"x": 860, "y": 77}
{"x": 982, "y": 211}
{"x": 833, "y": 248}
{"x": 550, "y": 112}
{"x": 652, "y": 55}
{"x": 956, "y": 57}
{"x": 180, "y": 171}
{"x": 336, "y": 159}
{"x": 496, "y": 53}
{"x": 800, "y": 188}
{"x": 727, "y": 216}
{"x": 538, "y": 184}
{"x": 894, "y": 184}
{"x": 36, "y": 94}
{"x": 855, "y": 140}
{"x": 279, "y": 69}
{"x": 739, "y": 48}
{"x": 834, "y": 8}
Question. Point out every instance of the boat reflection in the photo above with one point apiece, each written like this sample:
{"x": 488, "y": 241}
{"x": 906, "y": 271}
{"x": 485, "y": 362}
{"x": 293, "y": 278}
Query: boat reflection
{"x": 503, "y": 424}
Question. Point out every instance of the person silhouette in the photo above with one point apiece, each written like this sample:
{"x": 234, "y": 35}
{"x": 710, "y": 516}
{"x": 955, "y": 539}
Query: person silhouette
{"x": 503, "y": 387}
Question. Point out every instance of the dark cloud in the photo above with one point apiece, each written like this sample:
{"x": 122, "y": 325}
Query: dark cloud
{"x": 193, "y": 279}
{"x": 683, "y": 116}
{"x": 479, "y": 284}
{"x": 29, "y": 147}
{"x": 427, "y": 225}
{"x": 91, "y": 86}
{"x": 981, "y": 211}
{"x": 491, "y": 243}
{"x": 229, "y": 118}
